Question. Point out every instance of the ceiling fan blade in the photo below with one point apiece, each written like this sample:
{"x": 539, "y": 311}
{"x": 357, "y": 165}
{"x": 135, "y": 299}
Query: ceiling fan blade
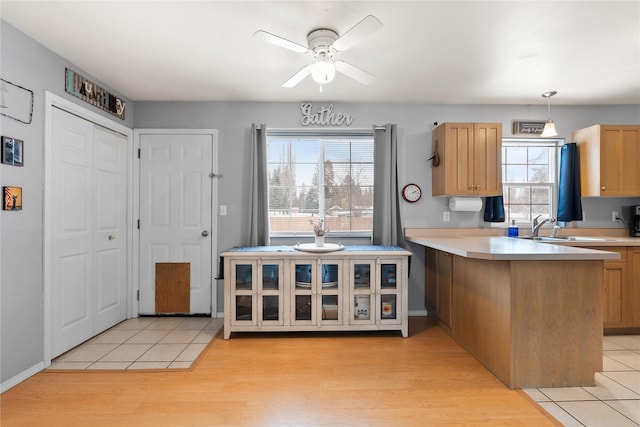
{"x": 298, "y": 77}
{"x": 360, "y": 31}
{"x": 357, "y": 74}
{"x": 279, "y": 41}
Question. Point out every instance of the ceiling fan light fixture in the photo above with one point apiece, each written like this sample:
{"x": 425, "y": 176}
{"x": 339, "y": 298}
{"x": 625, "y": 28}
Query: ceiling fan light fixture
{"x": 323, "y": 72}
{"x": 550, "y": 127}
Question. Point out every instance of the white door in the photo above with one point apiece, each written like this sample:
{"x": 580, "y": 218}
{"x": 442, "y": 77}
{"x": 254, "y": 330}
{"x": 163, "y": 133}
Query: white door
{"x": 176, "y": 221}
{"x": 87, "y": 204}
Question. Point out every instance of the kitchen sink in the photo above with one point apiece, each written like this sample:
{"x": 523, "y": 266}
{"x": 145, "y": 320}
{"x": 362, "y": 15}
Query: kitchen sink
{"x": 568, "y": 239}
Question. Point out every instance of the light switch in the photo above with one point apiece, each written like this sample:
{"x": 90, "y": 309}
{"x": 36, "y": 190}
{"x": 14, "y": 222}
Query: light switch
{"x": 223, "y": 210}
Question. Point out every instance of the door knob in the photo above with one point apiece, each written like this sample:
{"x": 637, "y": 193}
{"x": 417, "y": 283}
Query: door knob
{"x": 205, "y": 233}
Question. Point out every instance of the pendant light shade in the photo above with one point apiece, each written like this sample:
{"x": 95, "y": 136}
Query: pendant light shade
{"x": 550, "y": 127}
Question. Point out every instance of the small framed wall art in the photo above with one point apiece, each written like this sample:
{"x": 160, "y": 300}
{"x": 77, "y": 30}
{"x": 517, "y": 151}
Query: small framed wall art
{"x": 12, "y": 151}
{"x": 12, "y": 198}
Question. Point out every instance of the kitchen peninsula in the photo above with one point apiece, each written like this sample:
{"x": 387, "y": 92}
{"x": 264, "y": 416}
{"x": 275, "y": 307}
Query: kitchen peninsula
{"x": 531, "y": 313}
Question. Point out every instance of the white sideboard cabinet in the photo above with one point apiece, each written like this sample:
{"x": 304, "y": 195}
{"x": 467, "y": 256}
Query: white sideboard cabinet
{"x": 279, "y": 288}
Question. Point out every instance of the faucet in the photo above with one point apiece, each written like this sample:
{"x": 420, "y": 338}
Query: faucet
{"x": 535, "y": 227}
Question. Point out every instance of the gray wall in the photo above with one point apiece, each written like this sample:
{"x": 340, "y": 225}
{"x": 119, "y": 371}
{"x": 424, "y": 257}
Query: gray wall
{"x": 29, "y": 64}
{"x": 415, "y": 122}
{"x": 36, "y": 68}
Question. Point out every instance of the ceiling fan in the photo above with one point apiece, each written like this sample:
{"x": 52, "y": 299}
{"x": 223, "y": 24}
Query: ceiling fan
{"x": 324, "y": 45}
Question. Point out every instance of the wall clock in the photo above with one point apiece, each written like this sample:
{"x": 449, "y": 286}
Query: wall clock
{"x": 411, "y": 193}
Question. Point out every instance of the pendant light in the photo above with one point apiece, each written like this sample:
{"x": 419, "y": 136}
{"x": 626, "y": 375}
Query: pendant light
{"x": 549, "y": 127}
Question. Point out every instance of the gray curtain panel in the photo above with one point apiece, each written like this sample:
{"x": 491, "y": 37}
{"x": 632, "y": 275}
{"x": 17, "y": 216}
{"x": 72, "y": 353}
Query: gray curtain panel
{"x": 387, "y": 225}
{"x": 258, "y": 231}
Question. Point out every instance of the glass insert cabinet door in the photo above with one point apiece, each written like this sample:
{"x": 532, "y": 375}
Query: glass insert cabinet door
{"x": 374, "y": 291}
{"x": 389, "y": 291}
{"x": 257, "y": 296}
{"x": 316, "y": 295}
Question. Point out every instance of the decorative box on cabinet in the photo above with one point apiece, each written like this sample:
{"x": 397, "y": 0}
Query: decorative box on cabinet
{"x": 470, "y": 159}
{"x": 609, "y": 158}
{"x": 278, "y": 288}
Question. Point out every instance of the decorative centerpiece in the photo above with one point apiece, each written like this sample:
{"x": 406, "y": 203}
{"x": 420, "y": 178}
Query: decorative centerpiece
{"x": 319, "y": 230}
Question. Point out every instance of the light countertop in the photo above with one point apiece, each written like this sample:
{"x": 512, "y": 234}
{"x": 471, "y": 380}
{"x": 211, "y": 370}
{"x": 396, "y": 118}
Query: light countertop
{"x": 506, "y": 248}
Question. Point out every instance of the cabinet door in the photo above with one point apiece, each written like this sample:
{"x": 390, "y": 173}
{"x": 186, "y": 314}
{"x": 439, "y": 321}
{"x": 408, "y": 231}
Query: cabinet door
{"x": 362, "y": 292}
{"x": 470, "y": 159}
{"x": 444, "y": 266}
{"x": 316, "y": 294}
{"x": 619, "y": 159}
{"x": 243, "y": 293}
{"x": 486, "y": 159}
{"x": 458, "y": 148}
{"x": 270, "y": 293}
{"x": 614, "y": 285}
{"x": 431, "y": 281}
{"x": 632, "y": 296}
{"x": 614, "y": 278}
{"x": 389, "y": 291}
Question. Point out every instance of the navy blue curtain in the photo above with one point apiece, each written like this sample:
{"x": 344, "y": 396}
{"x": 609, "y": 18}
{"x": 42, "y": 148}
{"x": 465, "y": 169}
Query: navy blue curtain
{"x": 569, "y": 202}
{"x": 494, "y": 209}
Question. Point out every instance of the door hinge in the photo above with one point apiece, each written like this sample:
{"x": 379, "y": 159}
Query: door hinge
{"x": 139, "y": 152}
{"x": 138, "y": 224}
{"x": 138, "y": 294}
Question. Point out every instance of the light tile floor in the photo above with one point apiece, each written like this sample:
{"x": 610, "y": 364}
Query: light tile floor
{"x": 143, "y": 343}
{"x": 615, "y": 399}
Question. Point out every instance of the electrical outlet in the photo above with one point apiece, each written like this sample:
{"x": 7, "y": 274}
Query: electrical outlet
{"x": 614, "y": 216}
{"x": 445, "y": 216}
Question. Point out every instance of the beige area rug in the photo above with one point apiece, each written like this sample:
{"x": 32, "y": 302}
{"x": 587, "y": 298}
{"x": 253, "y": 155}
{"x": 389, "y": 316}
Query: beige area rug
{"x": 143, "y": 343}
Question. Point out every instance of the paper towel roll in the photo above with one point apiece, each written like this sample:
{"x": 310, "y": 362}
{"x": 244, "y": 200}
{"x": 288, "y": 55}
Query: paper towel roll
{"x": 465, "y": 204}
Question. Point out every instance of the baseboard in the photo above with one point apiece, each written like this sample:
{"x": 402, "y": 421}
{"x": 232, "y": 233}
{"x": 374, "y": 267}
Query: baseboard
{"x": 418, "y": 313}
{"x": 12, "y": 382}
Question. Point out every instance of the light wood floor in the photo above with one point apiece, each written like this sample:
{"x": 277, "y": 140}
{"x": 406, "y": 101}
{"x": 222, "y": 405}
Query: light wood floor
{"x": 377, "y": 379}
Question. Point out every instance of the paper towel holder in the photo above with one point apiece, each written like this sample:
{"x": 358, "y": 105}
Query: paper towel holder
{"x": 465, "y": 204}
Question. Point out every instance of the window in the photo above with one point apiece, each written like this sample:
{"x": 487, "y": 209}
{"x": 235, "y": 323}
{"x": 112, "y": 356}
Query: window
{"x": 317, "y": 174}
{"x": 529, "y": 175}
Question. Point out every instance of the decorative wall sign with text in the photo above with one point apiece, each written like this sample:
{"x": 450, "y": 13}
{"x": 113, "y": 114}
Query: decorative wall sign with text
{"x": 90, "y": 92}
{"x": 528, "y": 127}
{"x": 324, "y": 116}
{"x": 12, "y": 198}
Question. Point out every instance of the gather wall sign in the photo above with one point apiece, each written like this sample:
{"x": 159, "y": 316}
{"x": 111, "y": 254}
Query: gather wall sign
{"x": 324, "y": 116}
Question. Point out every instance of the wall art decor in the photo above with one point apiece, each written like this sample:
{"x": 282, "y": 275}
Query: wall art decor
{"x": 16, "y": 102}
{"x": 530, "y": 127}
{"x": 324, "y": 116}
{"x": 85, "y": 89}
{"x": 12, "y": 198}
{"x": 12, "y": 151}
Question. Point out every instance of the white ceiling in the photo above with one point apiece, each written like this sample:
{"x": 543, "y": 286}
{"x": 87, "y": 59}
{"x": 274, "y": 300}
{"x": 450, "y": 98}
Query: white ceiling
{"x": 431, "y": 52}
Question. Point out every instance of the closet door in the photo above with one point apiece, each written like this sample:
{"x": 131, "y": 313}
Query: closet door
{"x": 88, "y": 242}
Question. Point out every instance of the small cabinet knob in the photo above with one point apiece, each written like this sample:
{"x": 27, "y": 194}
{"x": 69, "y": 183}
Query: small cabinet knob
{"x": 111, "y": 237}
{"x": 205, "y": 233}
{"x": 603, "y": 188}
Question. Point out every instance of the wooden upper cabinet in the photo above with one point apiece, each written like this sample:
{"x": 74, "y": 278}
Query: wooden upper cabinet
{"x": 470, "y": 159}
{"x": 609, "y": 159}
